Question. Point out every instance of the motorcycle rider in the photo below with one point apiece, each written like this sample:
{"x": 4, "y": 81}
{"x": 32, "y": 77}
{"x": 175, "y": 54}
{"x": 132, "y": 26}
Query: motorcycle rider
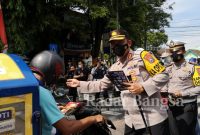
{"x": 47, "y": 66}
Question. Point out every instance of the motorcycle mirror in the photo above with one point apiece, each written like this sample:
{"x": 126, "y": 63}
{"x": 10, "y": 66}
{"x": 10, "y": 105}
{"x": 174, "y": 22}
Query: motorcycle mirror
{"x": 110, "y": 124}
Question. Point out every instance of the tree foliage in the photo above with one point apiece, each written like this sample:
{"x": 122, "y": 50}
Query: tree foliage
{"x": 32, "y": 25}
{"x": 156, "y": 38}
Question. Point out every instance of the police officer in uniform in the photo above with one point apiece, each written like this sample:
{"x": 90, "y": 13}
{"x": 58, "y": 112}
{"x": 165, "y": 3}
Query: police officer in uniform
{"x": 146, "y": 80}
{"x": 166, "y": 58}
{"x": 183, "y": 90}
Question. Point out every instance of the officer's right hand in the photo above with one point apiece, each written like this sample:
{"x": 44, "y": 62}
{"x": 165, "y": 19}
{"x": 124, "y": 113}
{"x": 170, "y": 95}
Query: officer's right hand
{"x": 73, "y": 83}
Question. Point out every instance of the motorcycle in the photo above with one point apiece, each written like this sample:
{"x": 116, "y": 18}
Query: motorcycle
{"x": 80, "y": 111}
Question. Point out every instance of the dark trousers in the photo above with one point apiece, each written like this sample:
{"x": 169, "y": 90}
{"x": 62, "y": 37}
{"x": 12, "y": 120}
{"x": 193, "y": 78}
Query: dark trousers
{"x": 159, "y": 129}
{"x": 73, "y": 93}
{"x": 105, "y": 95}
{"x": 183, "y": 119}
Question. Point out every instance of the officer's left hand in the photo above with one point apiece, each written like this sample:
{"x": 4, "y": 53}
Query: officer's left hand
{"x": 134, "y": 88}
{"x": 178, "y": 93}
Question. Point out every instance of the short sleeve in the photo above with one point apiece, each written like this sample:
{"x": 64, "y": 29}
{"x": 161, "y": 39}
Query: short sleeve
{"x": 50, "y": 112}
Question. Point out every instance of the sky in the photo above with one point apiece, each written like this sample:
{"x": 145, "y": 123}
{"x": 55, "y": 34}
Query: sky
{"x": 185, "y": 25}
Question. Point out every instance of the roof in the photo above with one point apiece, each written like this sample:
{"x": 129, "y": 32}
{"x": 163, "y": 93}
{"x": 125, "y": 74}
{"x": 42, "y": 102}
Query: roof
{"x": 195, "y": 52}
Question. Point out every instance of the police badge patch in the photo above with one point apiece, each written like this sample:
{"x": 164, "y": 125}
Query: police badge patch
{"x": 149, "y": 58}
{"x": 133, "y": 75}
{"x": 198, "y": 71}
{"x": 196, "y": 76}
{"x": 130, "y": 56}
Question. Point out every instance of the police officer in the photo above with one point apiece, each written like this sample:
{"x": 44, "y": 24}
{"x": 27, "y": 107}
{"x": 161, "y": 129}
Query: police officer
{"x": 183, "y": 90}
{"x": 146, "y": 79}
{"x": 166, "y": 58}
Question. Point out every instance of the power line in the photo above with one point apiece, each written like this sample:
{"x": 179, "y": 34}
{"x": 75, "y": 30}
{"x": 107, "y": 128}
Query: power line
{"x": 185, "y": 30}
{"x": 184, "y": 35}
{"x": 197, "y": 26}
{"x": 180, "y": 21}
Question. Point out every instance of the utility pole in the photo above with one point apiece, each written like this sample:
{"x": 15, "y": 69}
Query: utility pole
{"x": 117, "y": 15}
{"x": 145, "y": 31}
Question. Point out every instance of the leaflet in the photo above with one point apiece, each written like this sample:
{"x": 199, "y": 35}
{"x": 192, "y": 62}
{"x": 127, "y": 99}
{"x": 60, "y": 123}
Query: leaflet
{"x": 118, "y": 78}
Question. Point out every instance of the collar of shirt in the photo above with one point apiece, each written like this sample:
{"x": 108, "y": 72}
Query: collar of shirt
{"x": 129, "y": 57}
{"x": 178, "y": 66}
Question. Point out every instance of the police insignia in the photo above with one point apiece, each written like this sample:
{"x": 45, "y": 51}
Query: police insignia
{"x": 133, "y": 75}
{"x": 149, "y": 57}
{"x": 198, "y": 71}
{"x": 152, "y": 64}
{"x": 196, "y": 76}
{"x": 114, "y": 33}
{"x": 130, "y": 56}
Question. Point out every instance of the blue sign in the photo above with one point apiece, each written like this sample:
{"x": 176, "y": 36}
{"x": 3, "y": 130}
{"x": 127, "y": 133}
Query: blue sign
{"x": 53, "y": 47}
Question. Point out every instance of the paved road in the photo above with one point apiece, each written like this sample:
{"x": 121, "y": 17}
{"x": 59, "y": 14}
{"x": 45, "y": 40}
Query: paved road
{"x": 116, "y": 115}
{"x": 114, "y": 112}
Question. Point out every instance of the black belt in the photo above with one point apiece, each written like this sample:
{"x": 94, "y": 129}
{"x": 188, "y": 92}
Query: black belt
{"x": 172, "y": 99}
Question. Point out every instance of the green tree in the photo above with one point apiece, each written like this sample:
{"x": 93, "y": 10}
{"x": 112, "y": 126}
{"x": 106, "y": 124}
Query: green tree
{"x": 34, "y": 24}
{"x": 141, "y": 17}
{"x": 31, "y": 24}
{"x": 156, "y": 38}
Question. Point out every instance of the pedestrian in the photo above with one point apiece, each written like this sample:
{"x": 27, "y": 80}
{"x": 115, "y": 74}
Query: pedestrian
{"x": 183, "y": 88}
{"x": 47, "y": 66}
{"x": 98, "y": 73}
{"x": 70, "y": 75}
{"x": 82, "y": 72}
{"x": 146, "y": 80}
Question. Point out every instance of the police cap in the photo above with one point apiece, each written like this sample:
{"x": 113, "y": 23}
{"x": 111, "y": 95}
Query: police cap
{"x": 118, "y": 35}
{"x": 165, "y": 54}
{"x": 176, "y": 45}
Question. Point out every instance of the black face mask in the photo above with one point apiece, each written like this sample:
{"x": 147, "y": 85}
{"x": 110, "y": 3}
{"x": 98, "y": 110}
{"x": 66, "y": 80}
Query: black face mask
{"x": 119, "y": 49}
{"x": 177, "y": 57}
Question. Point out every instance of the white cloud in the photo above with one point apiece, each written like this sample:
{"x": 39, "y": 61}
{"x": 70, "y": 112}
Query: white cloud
{"x": 183, "y": 6}
{"x": 185, "y": 13}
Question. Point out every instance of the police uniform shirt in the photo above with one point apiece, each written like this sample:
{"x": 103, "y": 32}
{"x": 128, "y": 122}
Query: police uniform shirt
{"x": 181, "y": 80}
{"x": 135, "y": 68}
